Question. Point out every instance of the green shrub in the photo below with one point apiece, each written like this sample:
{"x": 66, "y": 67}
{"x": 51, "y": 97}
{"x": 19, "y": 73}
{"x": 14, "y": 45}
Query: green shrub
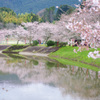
{"x": 35, "y": 62}
{"x": 50, "y": 64}
{"x": 35, "y": 42}
{"x": 61, "y": 44}
{"x": 50, "y": 43}
{"x": 16, "y": 47}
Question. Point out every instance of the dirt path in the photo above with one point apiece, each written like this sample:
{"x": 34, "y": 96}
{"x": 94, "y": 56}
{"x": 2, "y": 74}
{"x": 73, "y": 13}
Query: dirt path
{"x": 31, "y": 54}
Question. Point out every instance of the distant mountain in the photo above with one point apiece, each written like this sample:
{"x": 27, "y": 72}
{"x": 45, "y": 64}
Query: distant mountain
{"x": 22, "y": 6}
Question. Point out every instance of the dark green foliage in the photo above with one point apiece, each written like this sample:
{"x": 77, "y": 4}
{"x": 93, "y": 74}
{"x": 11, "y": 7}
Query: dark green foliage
{"x": 48, "y": 14}
{"x": 61, "y": 44}
{"x": 15, "y": 56}
{"x": 35, "y": 42}
{"x": 35, "y": 62}
{"x": 9, "y": 16}
{"x": 7, "y": 10}
{"x": 17, "y": 47}
{"x": 64, "y": 9}
{"x": 1, "y": 18}
{"x": 50, "y": 64}
{"x": 70, "y": 10}
{"x": 34, "y": 17}
{"x": 50, "y": 43}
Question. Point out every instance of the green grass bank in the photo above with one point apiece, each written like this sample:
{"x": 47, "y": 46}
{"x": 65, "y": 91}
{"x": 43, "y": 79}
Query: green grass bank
{"x": 66, "y": 55}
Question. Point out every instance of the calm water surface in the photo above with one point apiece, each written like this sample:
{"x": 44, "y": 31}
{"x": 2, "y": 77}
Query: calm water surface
{"x": 35, "y": 78}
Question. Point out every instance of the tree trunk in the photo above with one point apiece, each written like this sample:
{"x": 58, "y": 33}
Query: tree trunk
{"x": 30, "y": 40}
{"x": 17, "y": 42}
{"x": 57, "y": 43}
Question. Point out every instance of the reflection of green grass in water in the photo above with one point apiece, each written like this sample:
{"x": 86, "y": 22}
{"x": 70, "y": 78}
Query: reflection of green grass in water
{"x": 15, "y": 56}
{"x": 50, "y": 64}
{"x": 76, "y": 58}
{"x": 74, "y": 63}
{"x": 35, "y": 62}
{"x": 67, "y": 52}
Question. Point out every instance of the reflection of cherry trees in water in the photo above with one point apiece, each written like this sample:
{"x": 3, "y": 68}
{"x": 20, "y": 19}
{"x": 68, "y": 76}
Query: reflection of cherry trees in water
{"x": 83, "y": 81}
{"x": 70, "y": 79}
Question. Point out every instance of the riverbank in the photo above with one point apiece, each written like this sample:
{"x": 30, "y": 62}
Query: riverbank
{"x": 29, "y": 50}
{"x": 66, "y": 53}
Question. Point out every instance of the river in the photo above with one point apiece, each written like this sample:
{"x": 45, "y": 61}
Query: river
{"x": 42, "y": 78}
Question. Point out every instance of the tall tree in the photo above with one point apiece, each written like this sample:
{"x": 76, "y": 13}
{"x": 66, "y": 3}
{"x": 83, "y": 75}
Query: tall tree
{"x": 32, "y": 30}
{"x": 64, "y": 9}
{"x": 49, "y": 14}
{"x": 81, "y": 23}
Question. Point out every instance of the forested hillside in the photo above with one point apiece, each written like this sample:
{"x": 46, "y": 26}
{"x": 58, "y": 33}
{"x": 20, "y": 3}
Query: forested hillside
{"x": 22, "y": 6}
{"x": 9, "y": 16}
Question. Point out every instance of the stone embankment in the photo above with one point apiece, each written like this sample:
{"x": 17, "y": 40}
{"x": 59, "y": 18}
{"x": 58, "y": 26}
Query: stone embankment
{"x": 2, "y": 47}
{"x": 32, "y": 50}
{"x": 38, "y": 50}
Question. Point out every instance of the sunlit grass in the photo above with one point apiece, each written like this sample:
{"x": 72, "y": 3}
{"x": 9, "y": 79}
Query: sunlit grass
{"x": 67, "y": 52}
{"x": 74, "y": 63}
{"x": 44, "y": 45}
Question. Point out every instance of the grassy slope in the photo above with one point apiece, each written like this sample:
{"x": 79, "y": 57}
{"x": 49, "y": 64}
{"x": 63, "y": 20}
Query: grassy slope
{"x": 67, "y": 53}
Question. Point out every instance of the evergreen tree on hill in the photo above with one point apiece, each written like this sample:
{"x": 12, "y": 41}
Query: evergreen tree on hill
{"x": 8, "y": 10}
{"x": 66, "y": 9}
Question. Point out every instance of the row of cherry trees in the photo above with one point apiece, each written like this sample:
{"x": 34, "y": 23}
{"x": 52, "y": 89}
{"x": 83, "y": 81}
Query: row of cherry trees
{"x": 36, "y": 31}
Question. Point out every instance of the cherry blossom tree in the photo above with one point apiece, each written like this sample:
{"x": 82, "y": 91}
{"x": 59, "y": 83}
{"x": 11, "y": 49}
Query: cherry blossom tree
{"x": 49, "y": 31}
{"x": 32, "y": 30}
{"x": 4, "y": 34}
{"x": 84, "y": 22}
{"x": 64, "y": 34}
{"x": 19, "y": 33}
{"x": 90, "y": 32}
{"x": 46, "y": 31}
